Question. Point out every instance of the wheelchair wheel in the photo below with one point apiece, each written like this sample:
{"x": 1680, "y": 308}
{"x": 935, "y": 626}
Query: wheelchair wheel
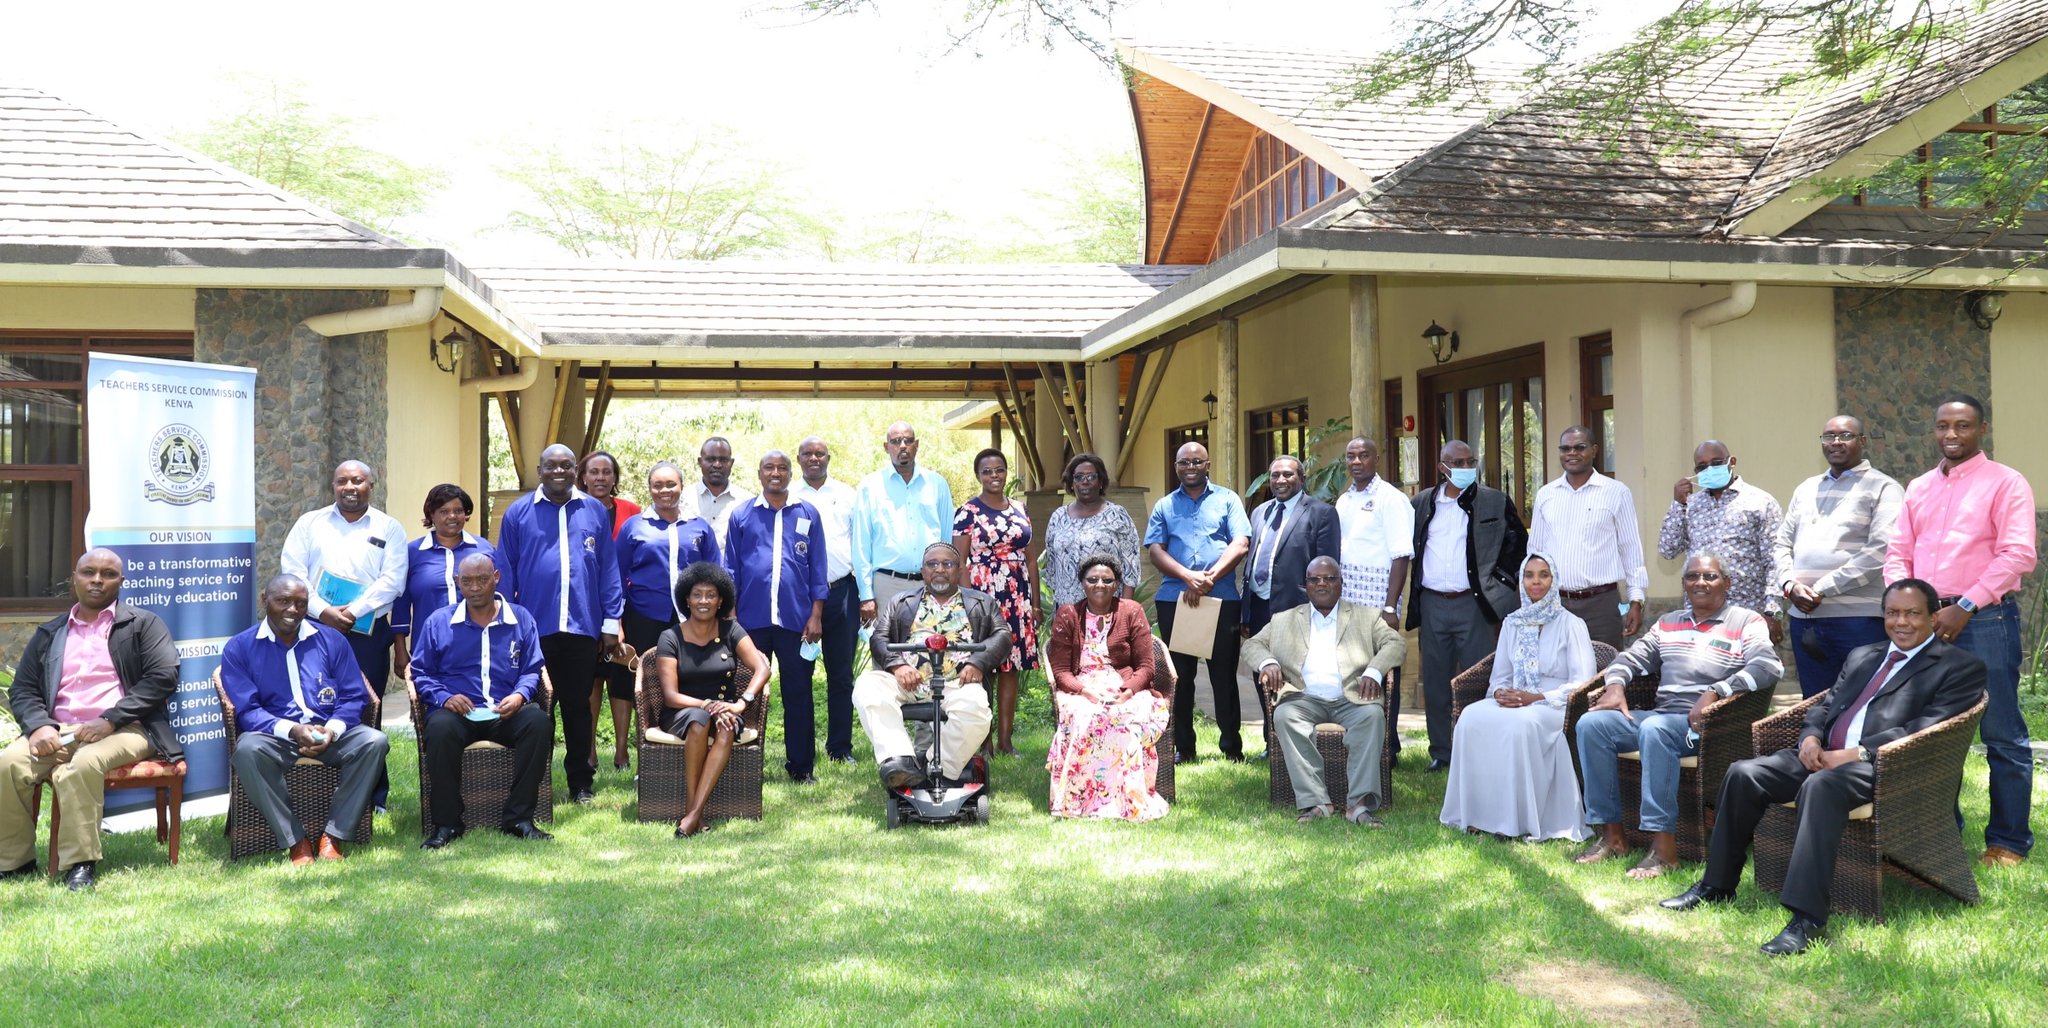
{"x": 981, "y": 809}
{"x": 892, "y": 813}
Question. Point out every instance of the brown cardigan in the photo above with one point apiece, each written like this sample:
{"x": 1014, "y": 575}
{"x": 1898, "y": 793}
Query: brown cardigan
{"x": 1130, "y": 646}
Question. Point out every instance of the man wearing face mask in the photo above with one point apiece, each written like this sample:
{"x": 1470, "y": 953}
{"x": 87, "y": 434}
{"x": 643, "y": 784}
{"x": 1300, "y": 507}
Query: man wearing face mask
{"x": 1731, "y": 517}
{"x": 1469, "y": 544}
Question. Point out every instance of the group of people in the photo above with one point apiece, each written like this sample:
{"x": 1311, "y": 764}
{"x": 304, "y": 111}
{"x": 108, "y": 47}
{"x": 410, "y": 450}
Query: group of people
{"x": 1901, "y": 605}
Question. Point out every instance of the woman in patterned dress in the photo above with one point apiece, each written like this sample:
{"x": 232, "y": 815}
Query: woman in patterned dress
{"x": 1104, "y": 759}
{"x": 995, "y": 534}
{"x": 1091, "y": 524}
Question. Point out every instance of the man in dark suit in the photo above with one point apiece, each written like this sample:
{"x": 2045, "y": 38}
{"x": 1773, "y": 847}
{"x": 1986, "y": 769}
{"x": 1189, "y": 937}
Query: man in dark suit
{"x": 1887, "y": 691}
{"x": 1469, "y": 544}
{"x": 1288, "y": 531}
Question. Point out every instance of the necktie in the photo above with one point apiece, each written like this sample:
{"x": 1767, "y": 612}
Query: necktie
{"x": 1838, "y": 736}
{"x": 1262, "y": 569}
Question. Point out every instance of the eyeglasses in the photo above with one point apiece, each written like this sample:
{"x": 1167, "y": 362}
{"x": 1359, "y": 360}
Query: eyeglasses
{"x": 1314, "y": 579}
{"x": 1462, "y": 462}
{"x": 941, "y": 565}
{"x": 1573, "y": 447}
{"x": 1190, "y": 463}
{"x": 1087, "y": 476}
{"x": 1703, "y": 576}
{"x": 901, "y": 440}
{"x": 1721, "y": 462}
{"x": 1840, "y": 437}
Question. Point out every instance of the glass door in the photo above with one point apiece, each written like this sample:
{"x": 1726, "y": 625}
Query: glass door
{"x": 1496, "y": 407}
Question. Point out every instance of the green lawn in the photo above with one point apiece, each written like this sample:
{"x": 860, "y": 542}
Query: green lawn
{"x": 1226, "y": 911}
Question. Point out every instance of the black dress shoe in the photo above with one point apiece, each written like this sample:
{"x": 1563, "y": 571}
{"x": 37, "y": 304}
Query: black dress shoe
{"x": 842, "y": 758}
{"x": 443, "y": 835}
{"x": 1799, "y": 933}
{"x": 1700, "y": 893}
{"x": 901, "y": 773}
{"x": 1438, "y": 765}
{"x": 1235, "y": 758}
{"x": 583, "y": 797}
{"x": 525, "y": 830}
{"x": 804, "y": 779}
{"x": 80, "y": 877}
{"x": 27, "y": 870}
{"x": 1182, "y": 757}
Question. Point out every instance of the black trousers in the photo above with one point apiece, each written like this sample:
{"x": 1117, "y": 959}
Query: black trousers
{"x": 842, "y": 627}
{"x": 572, "y": 667}
{"x": 528, "y": 734}
{"x": 1824, "y": 799}
{"x": 373, "y": 656}
{"x": 1222, "y": 682}
{"x": 799, "y": 715}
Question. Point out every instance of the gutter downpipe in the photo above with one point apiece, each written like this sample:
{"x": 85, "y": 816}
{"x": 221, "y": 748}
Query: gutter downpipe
{"x": 1696, "y": 356}
{"x": 424, "y": 305}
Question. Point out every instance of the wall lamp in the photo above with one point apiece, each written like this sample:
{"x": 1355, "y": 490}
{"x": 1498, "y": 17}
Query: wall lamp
{"x": 1434, "y": 336}
{"x": 1209, "y": 404}
{"x": 1984, "y": 306}
{"x": 453, "y": 342}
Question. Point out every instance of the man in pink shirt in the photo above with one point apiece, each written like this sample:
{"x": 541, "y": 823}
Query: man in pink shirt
{"x": 90, "y": 693}
{"x": 1967, "y": 527}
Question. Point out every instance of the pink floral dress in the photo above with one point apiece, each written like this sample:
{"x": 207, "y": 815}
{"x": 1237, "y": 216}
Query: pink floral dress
{"x": 1104, "y": 760}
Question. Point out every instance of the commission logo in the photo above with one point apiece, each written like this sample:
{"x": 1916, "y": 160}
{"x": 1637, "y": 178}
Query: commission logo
{"x": 178, "y": 467}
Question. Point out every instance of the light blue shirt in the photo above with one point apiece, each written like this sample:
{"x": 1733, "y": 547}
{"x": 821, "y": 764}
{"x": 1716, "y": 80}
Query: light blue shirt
{"x": 1195, "y": 532}
{"x": 894, "y": 520}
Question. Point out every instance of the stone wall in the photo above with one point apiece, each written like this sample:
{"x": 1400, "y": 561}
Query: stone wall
{"x": 1896, "y": 353}
{"x": 318, "y": 401}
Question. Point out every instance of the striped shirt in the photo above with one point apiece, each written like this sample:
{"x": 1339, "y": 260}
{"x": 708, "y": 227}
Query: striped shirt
{"x": 1833, "y": 540}
{"x": 1728, "y": 653}
{"x": 1740, "y": 525}
{"x": 1592, "y": 532}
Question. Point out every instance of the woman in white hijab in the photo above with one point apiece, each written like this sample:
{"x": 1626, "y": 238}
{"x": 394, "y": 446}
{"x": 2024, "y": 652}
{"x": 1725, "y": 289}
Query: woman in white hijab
{"x": 1512, "y": 774}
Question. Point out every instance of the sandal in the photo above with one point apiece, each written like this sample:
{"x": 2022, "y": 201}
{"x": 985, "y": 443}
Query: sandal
{"x": 1652, "y": 866}
{"x": 1598, "y": 852}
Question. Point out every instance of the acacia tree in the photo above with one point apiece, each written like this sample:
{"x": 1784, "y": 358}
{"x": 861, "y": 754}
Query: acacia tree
{"x": 280, "y": 137}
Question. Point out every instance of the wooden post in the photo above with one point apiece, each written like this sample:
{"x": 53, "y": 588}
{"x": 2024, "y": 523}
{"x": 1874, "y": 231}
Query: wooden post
{"x": 1224, "y": 454}
{"x": 1105, "y": 428}
{"x": 1047, "y": 421}
{"x": 1365, "y": 360}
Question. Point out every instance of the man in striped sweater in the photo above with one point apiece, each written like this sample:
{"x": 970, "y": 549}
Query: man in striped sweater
{"x": 1830, "y": 556}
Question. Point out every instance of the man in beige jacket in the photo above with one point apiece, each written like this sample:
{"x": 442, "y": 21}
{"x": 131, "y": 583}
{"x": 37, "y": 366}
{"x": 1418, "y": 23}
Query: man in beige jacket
{"x": 1324, "y": 661}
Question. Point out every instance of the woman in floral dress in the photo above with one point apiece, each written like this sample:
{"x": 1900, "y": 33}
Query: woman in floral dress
{"x": 1104, "y": 759}
{"x": 995, "y": 534}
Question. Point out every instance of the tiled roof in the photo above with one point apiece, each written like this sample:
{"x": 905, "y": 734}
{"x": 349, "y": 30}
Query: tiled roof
{"x": 69, "y": 178}
{"x": 686, "y": 302}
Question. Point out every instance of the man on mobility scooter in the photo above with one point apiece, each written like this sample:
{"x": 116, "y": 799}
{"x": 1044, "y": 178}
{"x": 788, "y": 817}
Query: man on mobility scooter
{"x": 942, "y": 684}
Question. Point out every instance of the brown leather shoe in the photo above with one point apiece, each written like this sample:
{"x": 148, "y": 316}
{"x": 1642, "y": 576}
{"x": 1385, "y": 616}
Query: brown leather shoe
{"x": 1315, "y": 813}
{"x": 1999, "y": 856}
{"x": 301, "y": 853}
{"x": 328, "y": 850}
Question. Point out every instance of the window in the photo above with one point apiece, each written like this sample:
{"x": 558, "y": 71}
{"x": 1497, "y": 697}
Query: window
{"x": 1596, "y": 394}
{"x": 1275, "y": 185}
{"x": 43, "y": 458}
{"x": 1270, "y": 433}
{"x": 1495, "y": 405}
{"x": 1974, "y": 164}
{"x": 1177, "y": 438}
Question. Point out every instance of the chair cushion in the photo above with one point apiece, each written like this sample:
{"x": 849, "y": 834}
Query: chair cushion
{"x": 306, "y": 762}
{"x": 1861, "y": 813}
{"x": 144, "y": 770}
{"x": 483, "y": 744}
{"x": 661, "y": 738}
{"x": 1637, "y": 755}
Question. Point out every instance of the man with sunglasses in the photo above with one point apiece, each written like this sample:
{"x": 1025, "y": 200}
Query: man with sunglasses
{"x": 1733, "y": 518}
{"x": 1589, "y": 522}
{"x": 1830, "y": 556}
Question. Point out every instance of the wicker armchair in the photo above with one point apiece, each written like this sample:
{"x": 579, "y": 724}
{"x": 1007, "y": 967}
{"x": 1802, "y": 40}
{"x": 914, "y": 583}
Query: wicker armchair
{"x": 1471, "y": 685}
{"x": 1725, "y": 740}
{"x": 308, "y": 783}
{"x": 1336, "y": 775}
{"x": 1163, "y": 680}
{"x": 486, "y": 770}
{"x": 663, "y": 783}
{"x": 1908, "y": 830}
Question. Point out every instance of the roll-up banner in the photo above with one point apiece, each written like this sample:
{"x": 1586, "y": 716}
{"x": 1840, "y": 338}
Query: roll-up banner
{"x": 173, "y": 447}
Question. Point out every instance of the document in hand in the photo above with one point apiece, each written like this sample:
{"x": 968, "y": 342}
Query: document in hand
{"x": 1194, "y": 628}
{"x": 336, "y": 591}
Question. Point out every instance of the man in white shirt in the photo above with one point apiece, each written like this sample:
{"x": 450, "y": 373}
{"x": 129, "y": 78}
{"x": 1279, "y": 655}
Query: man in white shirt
{"x": 834, "y": 501}
{"x": 1376, "y": 529}
{"x": 1588, "y": 521}
{"x": 352, "y": 555}
{"x": 715, "y": 496}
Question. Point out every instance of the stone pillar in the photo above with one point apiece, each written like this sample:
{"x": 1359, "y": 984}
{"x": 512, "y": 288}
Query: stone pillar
{"x": 1365, "y": 359}
{"x": 1225, "y": 455}
{"x": 319, "y": 401}
{"x": 1104, "y": 402}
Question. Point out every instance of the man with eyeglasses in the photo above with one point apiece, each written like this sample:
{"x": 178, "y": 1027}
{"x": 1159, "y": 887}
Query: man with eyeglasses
{"x": 715, "y": 495}
{"x": 1731, "y": 517}
{"x": 897, "y": 512}
{"x": 1196, "y": 536}
{"x": 1829, "y": 554}
{"x": 1589, "y": 522}
{"x": 1469, "y": 543}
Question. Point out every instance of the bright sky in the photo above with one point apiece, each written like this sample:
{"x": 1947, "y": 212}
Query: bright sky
{"x": 870, "y": 114}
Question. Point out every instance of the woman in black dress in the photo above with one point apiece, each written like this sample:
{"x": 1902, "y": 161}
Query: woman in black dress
{"x": 694, "y": 663}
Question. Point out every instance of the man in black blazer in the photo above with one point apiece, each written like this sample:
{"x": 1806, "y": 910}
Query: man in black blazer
{"x": 1887, "y": 691}
{"x": 1466, "y": 576}
{"x": 1288, "y": 531}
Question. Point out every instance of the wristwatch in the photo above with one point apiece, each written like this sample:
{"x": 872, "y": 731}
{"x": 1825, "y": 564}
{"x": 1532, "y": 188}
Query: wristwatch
{"x": 1969, "y": 606}
{"x": 1389, "y": 609}
{"x": 1863, "y": 754}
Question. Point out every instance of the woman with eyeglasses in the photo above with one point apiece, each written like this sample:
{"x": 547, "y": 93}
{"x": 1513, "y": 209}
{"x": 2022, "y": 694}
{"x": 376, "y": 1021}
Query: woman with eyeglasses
{"x": 1089, "y": 525}
{"x": 994, "y": 534}
{"x": 1104, "y": 759}
{"x": 1524, "y": 786}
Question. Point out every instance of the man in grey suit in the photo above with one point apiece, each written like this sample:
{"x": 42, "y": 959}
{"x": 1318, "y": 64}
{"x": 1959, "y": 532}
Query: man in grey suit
{"x": 1469, "y": 544}
{"x": 1326, "y": 660}
{"x": 1288, "y": 531}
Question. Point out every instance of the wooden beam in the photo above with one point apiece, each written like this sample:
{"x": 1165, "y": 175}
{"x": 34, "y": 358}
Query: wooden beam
{"x": 973, "y": 372}
{"x": 1365, "y": 357}
{"x": 1142, "y": 409}
{"x": 1186, "y": 180}
{"x": 1074, "y": 382}
{"x": 1020, "y": 426}
{"x": 600, "y": 403}
{"x": 1123, "y": 424}
{"x": 561, "y": 396}
{"x": 1067, "y": 427}
{"x": 1225, "y": 455}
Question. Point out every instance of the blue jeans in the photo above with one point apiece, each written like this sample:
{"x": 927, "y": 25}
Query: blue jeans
{"x": 1661, "y": 738}
{"x": 1820, "y": 645}
{"x": 1994, "y": 636}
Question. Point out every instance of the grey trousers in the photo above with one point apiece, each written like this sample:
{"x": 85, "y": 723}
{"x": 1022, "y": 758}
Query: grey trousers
{"x": 1602, "y": 615}
{"x": 1454, "y": 636}
{"x": 262, "y": 759}
{"x": 1365, "y": 733}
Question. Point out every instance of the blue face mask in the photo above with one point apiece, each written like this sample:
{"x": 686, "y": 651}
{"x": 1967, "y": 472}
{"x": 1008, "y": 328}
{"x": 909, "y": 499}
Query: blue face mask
{"x": 1716, "y": 476}
{"x": 1463, "y": 477}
